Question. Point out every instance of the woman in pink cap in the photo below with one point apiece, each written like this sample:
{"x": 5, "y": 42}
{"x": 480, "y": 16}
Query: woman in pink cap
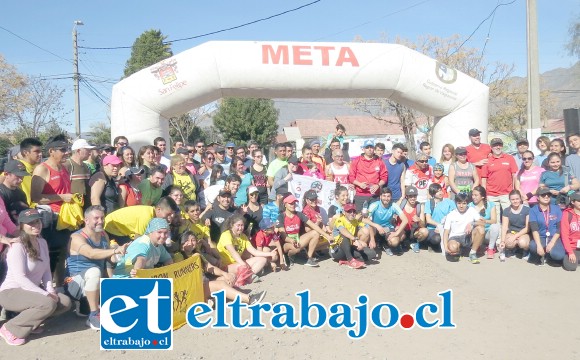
{"x": 104, "y": 189}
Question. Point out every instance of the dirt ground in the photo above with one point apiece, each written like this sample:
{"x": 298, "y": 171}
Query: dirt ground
{"x": 511, "y": 310}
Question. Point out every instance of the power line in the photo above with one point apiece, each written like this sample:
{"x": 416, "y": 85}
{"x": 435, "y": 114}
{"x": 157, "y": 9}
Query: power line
{"x": 33, "y": 44}
{"x": 213, "y": 32}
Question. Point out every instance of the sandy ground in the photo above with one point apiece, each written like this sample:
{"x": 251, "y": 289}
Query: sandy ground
{"x": 511, "y": 310}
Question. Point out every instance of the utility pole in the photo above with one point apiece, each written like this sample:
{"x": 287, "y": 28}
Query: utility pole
{"x": 76, "y": 79}
{"x": 533, "y": 110}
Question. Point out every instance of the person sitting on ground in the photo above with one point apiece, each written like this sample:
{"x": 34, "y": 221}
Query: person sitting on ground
{"x": 267, "y": 239}
{"x": 337, "y": 207}
{"x": 220, "y": 279}
{"x": 311, "y": 209}
{"x": 200, "y": 231}
{"x": 351, "y": 238}
{"x": 272, "y": 209}
{"x": 128, "y": 223}
{"x": 291, "y": 225}
{"x": 382, "y": 220}
{"x": 436, "y": 208}
{"x": 461, "y": 231}
{"x": 216, "y": 217}
{"x": 89, "y": 259}
{"x": 570, "y": 233}
{"x": 488, "y": 219}
{"x": 515, "y": 227}
{"x": 545, "y": 227}
{"x": 416, "y": 229}
{"x": 146, "y": 251}
{"x": 28, "y": 288}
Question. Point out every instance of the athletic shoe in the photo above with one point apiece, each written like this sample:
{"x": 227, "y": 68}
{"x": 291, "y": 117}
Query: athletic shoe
{"x": 39, "y": 330}
{"x": 94, "y": 321}
{"x": 542, "y": 261}
{"x": 415, "y": 247}
{"x": 311, "y": 262}
{"x": 398, "y": 250}
{"x": 355, "y": 264}
{"x": 473, "y": 258}
{"x": 82, "y": 308}
{"x": 10, "y": 338}
{"x": 490, "y": 253}
{"x": 256, "y": 278}
{"x": 257, "y": 297}
{"x": 385, "y": 248}
{"x": 526, "y": 255}
{"x": 509, "y": 253}
{"x": 502, "y": 256}
{"x": 388, "y": 251}
{"x": 342, "y": 262}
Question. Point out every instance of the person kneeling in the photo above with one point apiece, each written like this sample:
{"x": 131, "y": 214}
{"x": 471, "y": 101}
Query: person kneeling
{"x": 347, "y": 248}
{"x": 460, "y": 231}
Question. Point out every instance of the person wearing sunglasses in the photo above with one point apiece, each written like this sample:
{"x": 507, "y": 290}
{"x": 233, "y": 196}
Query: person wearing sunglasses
{"x": 207, "y": 163}
{"x": 523, "y": 145}
{"x": 463, "y": 175}
{"x": 420, "y": 175}
{"x": 498, "y": 176}
{"x": 528, "y": 178}
{"x": 119, "y": 142}
{"x": 545, "y": 227}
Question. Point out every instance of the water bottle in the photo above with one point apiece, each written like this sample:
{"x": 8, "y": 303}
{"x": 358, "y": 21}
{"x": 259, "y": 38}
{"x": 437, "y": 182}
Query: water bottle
{"x": 114, "y": 245}
{"x": 365, "y": 209}
{"x": 168, "y": 242}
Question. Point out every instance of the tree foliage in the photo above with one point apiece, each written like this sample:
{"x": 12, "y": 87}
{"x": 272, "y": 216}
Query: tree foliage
{"x": 573, "y": 45}
{"x": 148, "y": 49}
{"x": 14, "y": 96}
{"x": 187, "y": 127}
{"x": 100, "y": 133}
{"x": 240, "y": 120}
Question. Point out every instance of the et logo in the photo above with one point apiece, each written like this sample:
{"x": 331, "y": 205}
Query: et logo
{"x": 136, "y": 314}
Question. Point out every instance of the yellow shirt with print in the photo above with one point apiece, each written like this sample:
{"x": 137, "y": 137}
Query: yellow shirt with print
{"x": 199, "y": 229}
{"x": 240, "y": 243}
{"x": 186, "y": 185}
{"x": 350, "y": 226}
{"x": 26, "y": 184}
{"x": 129, "y": 221}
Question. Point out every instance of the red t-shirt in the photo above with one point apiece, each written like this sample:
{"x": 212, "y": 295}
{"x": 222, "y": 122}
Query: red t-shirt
{"x": 475, "y": 154}
{"x": 366, "y": 170}
{"x": 499, "y": 173}
{"x": 262, "y": 239}
{"x": 313, "y": 214}
{"x": 292, "y": 225}
{"x": 409, "y": 216}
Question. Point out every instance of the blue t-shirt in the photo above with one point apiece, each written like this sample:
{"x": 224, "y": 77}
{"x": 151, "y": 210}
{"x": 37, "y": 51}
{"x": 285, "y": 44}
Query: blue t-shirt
{"x": 553, "y": 180}
{"x": 384, "y": 215}
{"x": 242, "y": 194}
{"x": 490, "y": 207}
{"x": 538, "y": 217}
{"x": 141, "y": 247}
{"x": 271, "y": 211}
{"x": 394, "y": 178}
{"x": 442, "y": 208}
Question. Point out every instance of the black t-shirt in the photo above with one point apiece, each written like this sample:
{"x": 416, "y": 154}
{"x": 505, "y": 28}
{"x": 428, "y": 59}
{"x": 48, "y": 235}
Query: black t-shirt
{"x": 217, "y": 217}
{"x": 253, "y": 218}
{"x": 261, "y": 182}
{"x": 15, "y": 201}
{"x": 516, "y": 221}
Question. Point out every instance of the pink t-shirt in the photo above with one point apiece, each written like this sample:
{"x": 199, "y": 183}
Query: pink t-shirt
{"x": 529, "y": 182}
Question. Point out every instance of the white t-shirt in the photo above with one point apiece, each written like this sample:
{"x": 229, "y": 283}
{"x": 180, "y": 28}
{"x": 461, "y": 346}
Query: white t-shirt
{"x": 457, "y": 222}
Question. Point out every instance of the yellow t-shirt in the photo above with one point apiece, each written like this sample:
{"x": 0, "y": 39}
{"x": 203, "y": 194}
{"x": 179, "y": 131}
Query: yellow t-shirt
{"x": 240, "y": 244}
{"x": 350, "y": 226}
{"x": 200, "y": 230}
{"x": 130, "y": 220}
{"x": 186, "y": 185}
{"x": 27, "y": 182}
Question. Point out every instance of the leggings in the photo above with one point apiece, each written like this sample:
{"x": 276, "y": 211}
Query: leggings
{"x": 346, "y": 251}
{"x": 567, "y": 265}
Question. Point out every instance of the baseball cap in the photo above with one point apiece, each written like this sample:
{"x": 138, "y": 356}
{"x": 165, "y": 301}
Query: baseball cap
{"x": 438, "y": 166}
{"x": 224, "y": 193}
{"x": 56, "y": 144}
{"x": 111, "y": 159}
{"x": 266, "y": 223}
{"x": 29, "y": 215}
{"x": 230, "y": 144}
{"x": 411, "y": 191}
{"x": 368, "y": 143}
{"x": 496, "y": 141}
{"x": 219, "y": 149}
{"x": 134, "y": 171}
{"x": 460, "y": 150}
{"x": 81, "y": 144}
{"x": 16, "y": 167}
{"x": 474, "y": 132}
{"x": 422, "y": 156}
{"x": 182, "y": 151}
{"x": 523, "y": 141}
{"x": 575, "y": 196}
{"x": 13, "y": 151}
{"x": 311, "y": 194}
{"x": 290, "y": 199}
{"x": 293, "y": 160}
{"x": 315, "y": 142}
{"x": 252, "y": 189}
{"x": 349, "y": 207}
{"x": 543, "y": 190}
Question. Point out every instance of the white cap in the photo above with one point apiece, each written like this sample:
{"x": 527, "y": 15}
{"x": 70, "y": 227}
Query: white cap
{"x": 81, "y": 144}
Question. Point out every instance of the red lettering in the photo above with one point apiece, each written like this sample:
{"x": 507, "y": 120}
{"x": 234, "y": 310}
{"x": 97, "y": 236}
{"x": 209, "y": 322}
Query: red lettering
{"x": 299, "y": 52}
{"x": 324, "y": 52}
{"x": 268, "y": 54}
{"x": 346, "y": 55}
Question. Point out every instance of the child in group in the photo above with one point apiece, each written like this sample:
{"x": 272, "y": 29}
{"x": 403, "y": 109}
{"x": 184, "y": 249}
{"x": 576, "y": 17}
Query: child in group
{"x": 461, "y": 230}
{"x": 347, "y": 248}
{"x": 313, "y": 171}
{"x": 416, "y": 230}
{"x": 199, "y": 231}
{"x": 202, "y": 247}
{"x": 440, "y": 178}
{"x": 267, "y": 239}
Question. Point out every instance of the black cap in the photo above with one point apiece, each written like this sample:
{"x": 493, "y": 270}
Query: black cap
{"x": 29, "y": 215}
{"x": 523, "y": 141}
{"x": 311, "y": 195}
{"x": 293, "y": 160}
{"x": 182, "y": 151}
{"x": 224, "y": 193}
{"x": 16, "y": 167}
{"x": 411, "y": 191}
{"x": 543, "y": 190}
{"x": 460, "y": 150}
{"x": 134, "y": 171}
{"x": 474, "y": 132}
{"x": 496, "y": 141}
{"x": 220, "y": 149}
{"x": 575, "y": 196}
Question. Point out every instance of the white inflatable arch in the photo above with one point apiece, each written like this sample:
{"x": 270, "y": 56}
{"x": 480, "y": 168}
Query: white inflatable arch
{"x": 142, "y": 103}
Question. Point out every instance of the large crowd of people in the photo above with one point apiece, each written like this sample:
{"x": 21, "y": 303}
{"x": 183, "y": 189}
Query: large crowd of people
{"x": 86, "y": 212}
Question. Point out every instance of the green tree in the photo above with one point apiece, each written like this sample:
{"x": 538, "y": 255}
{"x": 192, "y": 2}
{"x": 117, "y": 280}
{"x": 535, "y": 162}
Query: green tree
{"x": 187, "y": 127}
{"x": 100, "y": 133}
{"x": 148, "y": 49}
{"x": 240, "y": 120}
{"x": 573, "y": 45}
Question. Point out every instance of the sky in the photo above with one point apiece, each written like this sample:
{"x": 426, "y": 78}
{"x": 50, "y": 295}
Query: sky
{"x": 47, "y": 28}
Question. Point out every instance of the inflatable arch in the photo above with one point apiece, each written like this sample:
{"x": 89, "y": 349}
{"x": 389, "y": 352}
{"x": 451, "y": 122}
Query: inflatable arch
{"x": 143, "y": 102}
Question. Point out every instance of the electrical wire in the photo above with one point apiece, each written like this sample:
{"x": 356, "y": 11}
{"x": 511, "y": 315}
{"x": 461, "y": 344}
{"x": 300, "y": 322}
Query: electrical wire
{"x": 33, "y": 44}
